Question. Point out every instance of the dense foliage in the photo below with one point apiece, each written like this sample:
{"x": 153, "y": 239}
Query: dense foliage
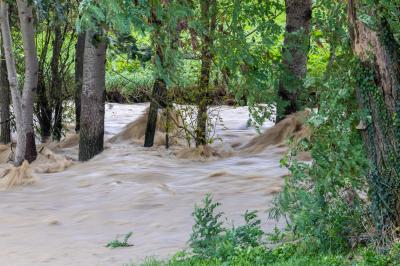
{"x": 247, "y": 245}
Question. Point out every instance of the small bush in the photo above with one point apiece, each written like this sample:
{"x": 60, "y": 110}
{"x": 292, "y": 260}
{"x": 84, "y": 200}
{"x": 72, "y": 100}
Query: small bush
{"x": 211, "y": 241}
{"x": 207, "y": 229}
{"x": 116, "y": 243}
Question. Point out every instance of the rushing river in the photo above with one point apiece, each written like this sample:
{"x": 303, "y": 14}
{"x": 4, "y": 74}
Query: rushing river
{"x": 67, "y": 218}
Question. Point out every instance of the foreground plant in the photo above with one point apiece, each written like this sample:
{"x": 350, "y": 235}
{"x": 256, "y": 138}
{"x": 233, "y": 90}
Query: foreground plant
{"x": 211, "y": 240}
{"x": 213, "y": 244}
{"x": 116, "y": 243}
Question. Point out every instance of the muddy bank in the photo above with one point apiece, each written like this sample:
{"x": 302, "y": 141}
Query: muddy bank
{"x": 67, "y": 218}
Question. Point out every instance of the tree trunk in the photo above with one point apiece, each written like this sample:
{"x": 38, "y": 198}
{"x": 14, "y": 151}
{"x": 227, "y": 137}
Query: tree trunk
{"x": 22, "y": 103}
{"x": 13, "y": 82}
{"x": 5, "y": 119}
{"x": 159, "y": 88}
{"x": 56, "y": 88}
{"x": 378, "y": 93}
{"x": 208, "y": 19}
{"x": 31, "y": 76}
{"x": 159, "y": 93}
{"x": 294, "y": 56}
{"x": 93, "y": 98}
{"x": 79, "y": 55}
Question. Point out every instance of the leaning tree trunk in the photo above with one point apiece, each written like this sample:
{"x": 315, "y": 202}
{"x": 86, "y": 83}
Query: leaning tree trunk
{"x": 294, "y": 56}
{"x": 208, "y": 18}
{"x": 158, "y": 100}
{"x": 378, "y": 92}
{"x": 79, "y": 55}
{"x": 56, "y": 84}
{"x": 5, "y": 119}
{"x": 93, "y": 98}
{"x": 159, "y": 89}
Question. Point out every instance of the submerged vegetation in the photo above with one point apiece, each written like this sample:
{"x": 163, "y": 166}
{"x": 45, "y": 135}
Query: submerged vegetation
{"x": 338, "y": 60}
{"x": 116, "y": 243}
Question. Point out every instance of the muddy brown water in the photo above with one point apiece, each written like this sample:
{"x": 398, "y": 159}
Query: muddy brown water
{"x": 67, "y": 218}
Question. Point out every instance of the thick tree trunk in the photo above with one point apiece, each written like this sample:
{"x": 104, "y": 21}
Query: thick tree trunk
{"x": 294, "y": 56}
{"x": 5, "y": 127}
{"x": 79, "y": 55}
{"x": 378, "y": 92}
{"x": 55, "y": 88}
{"x": 93, "y": 97}
{"x": 208, "y": 19}
{"x": 31, "y": 76}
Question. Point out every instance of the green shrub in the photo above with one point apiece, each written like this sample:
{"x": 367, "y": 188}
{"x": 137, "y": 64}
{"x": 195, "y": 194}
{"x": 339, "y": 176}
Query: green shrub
{"x": 116, "y": 243}
{"x": 130, "y": 84}
{"x": 210, "y": 239}
{"x": 207, "y": 229}
{"x": 322, "y": 200}
{"x": 247, "y": 245}
{"x": 284, "y": 255}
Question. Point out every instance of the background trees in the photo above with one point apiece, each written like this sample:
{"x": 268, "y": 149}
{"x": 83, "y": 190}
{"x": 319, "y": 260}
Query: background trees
{"x": 55, "y": 37}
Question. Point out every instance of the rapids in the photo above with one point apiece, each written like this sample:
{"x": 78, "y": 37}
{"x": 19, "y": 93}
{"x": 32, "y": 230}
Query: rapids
{"x": 67, "y": 218}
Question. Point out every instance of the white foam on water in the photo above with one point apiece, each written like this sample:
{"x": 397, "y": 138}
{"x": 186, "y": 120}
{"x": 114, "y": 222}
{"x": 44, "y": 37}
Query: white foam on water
{"x": 67, "y": 218}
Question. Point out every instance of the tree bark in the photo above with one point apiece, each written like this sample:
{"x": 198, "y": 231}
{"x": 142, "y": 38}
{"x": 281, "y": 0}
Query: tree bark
{"x": 159, "y": 93}
{"x": 5, "y": 119}
{"x": 31, "y": 76}
{"x": 378, "y": 92}
{"x": 294, "y": 56}
{"x": 93, "y": 98}
{"x": 79, "y": 55}
{"x": 208, "y": 19}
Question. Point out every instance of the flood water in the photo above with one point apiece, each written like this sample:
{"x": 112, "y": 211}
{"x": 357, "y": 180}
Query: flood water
{"x": 67, "y": 218}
